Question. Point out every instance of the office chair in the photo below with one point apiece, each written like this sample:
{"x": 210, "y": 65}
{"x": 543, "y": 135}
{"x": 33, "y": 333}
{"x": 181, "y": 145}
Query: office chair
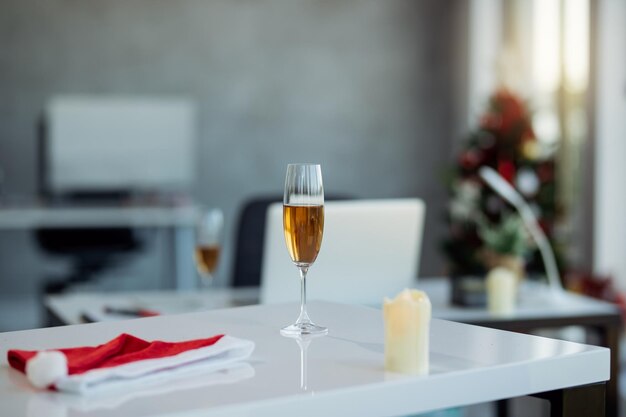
{"x": 91, "y": 250}
{"x": 249, "y": 243}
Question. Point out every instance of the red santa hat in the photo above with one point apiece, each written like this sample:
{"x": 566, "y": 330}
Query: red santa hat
{"x": 126, "y": 357}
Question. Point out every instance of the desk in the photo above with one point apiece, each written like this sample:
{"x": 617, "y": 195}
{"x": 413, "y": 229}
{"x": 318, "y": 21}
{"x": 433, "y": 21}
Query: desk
{"x": 536, "y": 310}
{"x": 337, "y": 375}
{"x": 178, "y": 220}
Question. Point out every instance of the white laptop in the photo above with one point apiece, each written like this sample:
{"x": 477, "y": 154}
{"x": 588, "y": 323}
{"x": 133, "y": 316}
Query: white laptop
{"x": 370, "y": 250}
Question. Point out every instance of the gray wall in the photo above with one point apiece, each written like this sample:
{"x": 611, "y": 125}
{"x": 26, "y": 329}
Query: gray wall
{"x": 364, "y": 87}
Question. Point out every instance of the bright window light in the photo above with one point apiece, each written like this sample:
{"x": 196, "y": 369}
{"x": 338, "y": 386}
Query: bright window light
{"x": 576, "y": 44}
{"x": 546, "y": 44}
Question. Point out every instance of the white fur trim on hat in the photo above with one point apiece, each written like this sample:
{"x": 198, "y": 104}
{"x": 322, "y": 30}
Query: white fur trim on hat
{"x": 46, "y": 368}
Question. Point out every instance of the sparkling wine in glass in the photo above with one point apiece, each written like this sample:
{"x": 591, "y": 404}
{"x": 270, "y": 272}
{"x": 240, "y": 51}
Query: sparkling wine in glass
{"x": 208, "y": 243}
{"x": 303, "y": 223}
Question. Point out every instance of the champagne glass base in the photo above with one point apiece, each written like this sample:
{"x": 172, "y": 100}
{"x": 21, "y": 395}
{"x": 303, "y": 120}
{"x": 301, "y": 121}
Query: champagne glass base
{"x": 206, "y": 280}
{"x": 303, "y": 329}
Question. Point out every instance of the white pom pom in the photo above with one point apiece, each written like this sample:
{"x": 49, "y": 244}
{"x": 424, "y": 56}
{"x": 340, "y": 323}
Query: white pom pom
{"x": 46, "y": 368}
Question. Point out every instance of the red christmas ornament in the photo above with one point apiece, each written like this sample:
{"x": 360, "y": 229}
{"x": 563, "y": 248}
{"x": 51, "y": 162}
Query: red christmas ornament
{"x": 545, "y": 173}
{"x": 470, "y": 159}
{"x": 506, "y": 168}
{"x": 511, "y": 110}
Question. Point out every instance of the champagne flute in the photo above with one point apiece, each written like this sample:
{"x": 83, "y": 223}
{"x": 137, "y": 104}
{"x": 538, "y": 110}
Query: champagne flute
{"x": 303, "y": 223}
{"x": 209, "y": 228}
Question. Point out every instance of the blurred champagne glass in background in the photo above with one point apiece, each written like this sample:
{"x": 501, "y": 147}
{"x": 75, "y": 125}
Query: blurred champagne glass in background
{"x": 209, "y": 228}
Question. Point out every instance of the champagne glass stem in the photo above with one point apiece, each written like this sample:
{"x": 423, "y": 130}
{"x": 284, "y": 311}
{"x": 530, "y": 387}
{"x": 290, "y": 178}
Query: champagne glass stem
{"x": 304, "y": 345}
{"x": 304, "y": 316}
{"x": 206, "y": 280}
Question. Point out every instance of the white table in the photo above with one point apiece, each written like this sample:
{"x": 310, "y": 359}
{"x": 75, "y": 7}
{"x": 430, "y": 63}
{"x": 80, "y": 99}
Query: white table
{"x": 179, "y": 220}
{"x": 70, "y": 308}
{"x": 337, "y": 375}
{"x": 534, "y": 303}
{"x": 536, "y": 310}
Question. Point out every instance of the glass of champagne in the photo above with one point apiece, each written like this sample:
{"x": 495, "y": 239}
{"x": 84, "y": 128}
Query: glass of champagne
{"x": 303, "y": 223}
{"x": 209, "y": 228}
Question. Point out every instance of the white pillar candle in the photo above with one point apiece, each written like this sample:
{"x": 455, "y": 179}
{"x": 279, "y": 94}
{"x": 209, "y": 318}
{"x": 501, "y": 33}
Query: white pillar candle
{"x": 407, "y": 326}
{"x": 501, "y": 289}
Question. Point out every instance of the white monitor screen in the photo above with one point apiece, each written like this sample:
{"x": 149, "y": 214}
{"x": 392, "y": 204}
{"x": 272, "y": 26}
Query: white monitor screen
{"x": 113, "y": 143}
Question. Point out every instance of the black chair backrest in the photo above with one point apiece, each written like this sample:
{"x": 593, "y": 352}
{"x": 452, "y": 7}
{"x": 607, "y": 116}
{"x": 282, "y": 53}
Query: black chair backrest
{"x": 249, "y": 244}
{"x": 250, "y": 237}
{"x": 81, "y": 241}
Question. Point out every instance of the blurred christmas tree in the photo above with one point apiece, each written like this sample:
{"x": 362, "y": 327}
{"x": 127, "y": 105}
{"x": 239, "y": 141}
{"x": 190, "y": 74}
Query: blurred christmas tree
{"x": 481, "y": 224}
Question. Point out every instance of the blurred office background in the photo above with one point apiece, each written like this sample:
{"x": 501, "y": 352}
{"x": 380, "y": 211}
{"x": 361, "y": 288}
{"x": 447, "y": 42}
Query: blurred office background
{"x": 381, "y": 93}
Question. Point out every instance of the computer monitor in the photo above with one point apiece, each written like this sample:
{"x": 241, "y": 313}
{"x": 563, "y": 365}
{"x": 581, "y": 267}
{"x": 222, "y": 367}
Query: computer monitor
{"x": 113, "y": 143}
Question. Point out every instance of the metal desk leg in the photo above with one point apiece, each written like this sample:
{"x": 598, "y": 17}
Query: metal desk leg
{"x": 502, "y": 408}
{"x": 183, "y": 270}
{"x": 583, "y": 401}
{"x": 609, "y": 335}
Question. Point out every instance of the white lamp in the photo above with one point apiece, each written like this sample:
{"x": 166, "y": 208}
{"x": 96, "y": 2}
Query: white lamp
{"x": 508, "y": 193}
